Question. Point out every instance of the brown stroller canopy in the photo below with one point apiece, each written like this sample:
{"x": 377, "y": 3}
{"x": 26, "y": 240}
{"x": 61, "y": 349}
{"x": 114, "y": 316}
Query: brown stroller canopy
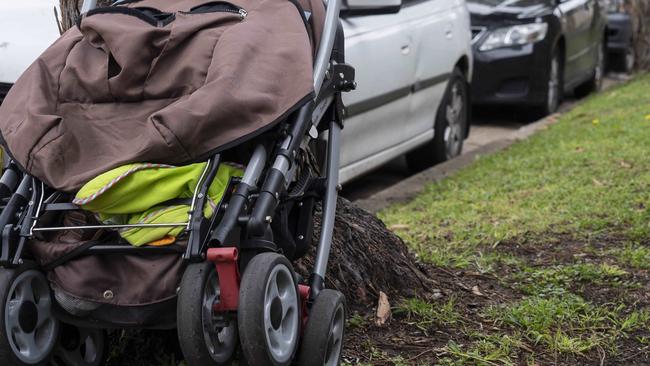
{"x": 157, "y": 81}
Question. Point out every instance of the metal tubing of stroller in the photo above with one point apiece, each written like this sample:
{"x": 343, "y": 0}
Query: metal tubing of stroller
{"x": 125, "y": 226}
{"x": 9, "y": 181}
{"x": 255, "y": 166}
{"x": 327, "y": 42}
{"x": 329, "y": 211}
{"x": 88, "y": 5}
{"x": 18, "y": 199}
{"x": 278, "y": 176}
{"x": 240, "y": 196}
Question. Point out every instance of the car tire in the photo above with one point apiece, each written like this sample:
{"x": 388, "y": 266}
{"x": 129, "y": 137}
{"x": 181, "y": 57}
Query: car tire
{"x": 625, "y": 62}
{"x": 595, "y": 83}
{"x": 554, "y": 86}
{"x": 450, "y": 127}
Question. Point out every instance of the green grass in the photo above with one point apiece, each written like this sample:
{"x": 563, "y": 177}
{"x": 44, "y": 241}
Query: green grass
{"x": 633, "y": 255}
{"x": 568, "y": 323}
{"x": 575, "y": 196}
{"x": 423, "y": 313}
{"x": 578, "y": 177}
{"x": 557, "y": 278}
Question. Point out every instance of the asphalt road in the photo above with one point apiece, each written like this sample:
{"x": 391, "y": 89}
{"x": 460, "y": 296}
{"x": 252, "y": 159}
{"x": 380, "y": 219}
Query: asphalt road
{"x": 488, "y": 125}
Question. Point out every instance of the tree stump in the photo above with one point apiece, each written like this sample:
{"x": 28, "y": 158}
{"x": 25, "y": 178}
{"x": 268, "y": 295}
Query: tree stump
{"x": 367, "y": 258}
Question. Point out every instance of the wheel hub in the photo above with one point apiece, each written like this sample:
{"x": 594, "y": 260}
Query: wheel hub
{"x": 454, "y": 115}
{"x": 281, "y": 313}
{"x": 218, "y": 330}
{"x": 30, "y": 327}
{"x": 276, "y": 313}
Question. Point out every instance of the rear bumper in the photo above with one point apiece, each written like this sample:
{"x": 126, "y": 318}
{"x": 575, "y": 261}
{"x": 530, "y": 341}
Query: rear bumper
{"x": 620, "y": 32}
{"x": 511, "y": 75}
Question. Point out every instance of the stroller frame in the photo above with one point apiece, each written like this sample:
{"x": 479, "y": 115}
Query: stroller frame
{"x": 249, "y": 204}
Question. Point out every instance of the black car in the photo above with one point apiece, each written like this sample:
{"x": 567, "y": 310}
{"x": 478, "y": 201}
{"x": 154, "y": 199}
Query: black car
{"x": 621, "y": 29}
{"x": 531, "y": 52}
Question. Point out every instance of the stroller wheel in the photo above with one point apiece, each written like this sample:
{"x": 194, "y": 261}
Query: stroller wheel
{"x": 28, "y": 330}
{"x": 269, "y": 315}
{"x": 206, "y": 337}
{"x": 322, "y": 341}
{"x": 80, "y": 347}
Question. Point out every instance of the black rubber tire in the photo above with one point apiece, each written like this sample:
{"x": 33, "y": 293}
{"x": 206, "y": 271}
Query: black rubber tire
{"x": 595, "y": 83}
{"x": 189, "y": 317}
{"x": 251, "y": 309}
{"x": 314, "y": 348}
{"x": 625, "y": 61}
{"x": 435, "y": 151}
{"x": 7, "y": 277}
{"x": 547, "y": 108}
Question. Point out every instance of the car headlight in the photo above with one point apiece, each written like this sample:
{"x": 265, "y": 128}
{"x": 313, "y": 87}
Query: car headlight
{"x": 517, "y": 35}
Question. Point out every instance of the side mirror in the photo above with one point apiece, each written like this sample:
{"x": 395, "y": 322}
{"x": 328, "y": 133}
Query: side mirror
{"x": 369, "y": 7}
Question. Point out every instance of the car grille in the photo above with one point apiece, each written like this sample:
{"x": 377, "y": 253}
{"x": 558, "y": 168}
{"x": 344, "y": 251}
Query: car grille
{"x": 477, "y": 32}
{"x": 4, "y": 89}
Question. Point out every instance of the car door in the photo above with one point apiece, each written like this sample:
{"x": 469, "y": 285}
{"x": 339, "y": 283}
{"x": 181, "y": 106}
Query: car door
{"x": 578, "y": 18}
{"x": 380, "y": 48}
{"x": 437, "y": 36}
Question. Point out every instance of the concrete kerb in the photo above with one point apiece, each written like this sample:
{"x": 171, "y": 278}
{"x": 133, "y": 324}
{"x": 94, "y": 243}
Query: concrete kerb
{"x": 409, "y": 188}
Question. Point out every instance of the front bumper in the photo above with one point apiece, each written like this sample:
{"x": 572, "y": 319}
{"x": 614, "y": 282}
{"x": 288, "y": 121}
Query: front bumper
{"x": 4, "y": 89}
{"x": 620, "y": 32}
{"x": 516, "y": 75}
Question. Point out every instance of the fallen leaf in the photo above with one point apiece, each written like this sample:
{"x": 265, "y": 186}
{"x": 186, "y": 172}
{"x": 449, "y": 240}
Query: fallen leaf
{"x": 597, "y": 182}
{"x": 647, "y": 117}
{"x": 625, "y": 164}
{"x": 595, "y": 122}
{"x": 398, "y": 227}
{"x": 383, "y": 309}
{"x": 476, "y": 291}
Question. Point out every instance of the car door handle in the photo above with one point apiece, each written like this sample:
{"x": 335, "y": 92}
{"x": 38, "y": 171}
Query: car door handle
{"x": 406, "y": 49}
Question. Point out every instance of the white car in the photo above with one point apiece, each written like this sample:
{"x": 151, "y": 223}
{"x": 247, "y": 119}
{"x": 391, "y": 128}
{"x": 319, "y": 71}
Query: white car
{"x": 412, "y": 68}
{"x": 27, "y": 28}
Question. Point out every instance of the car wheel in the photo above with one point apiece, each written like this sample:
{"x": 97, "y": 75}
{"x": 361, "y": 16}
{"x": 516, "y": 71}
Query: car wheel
{"x": 595, "y": 84}
{"x": 630, "y": 59}
{"x": 450, "y": 127}
{"x": 625, "y": 61}
{"x": 555, "y": 86}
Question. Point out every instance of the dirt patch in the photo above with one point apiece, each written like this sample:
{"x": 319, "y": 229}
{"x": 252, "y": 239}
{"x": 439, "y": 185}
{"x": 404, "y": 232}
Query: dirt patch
{"x": 404, "y": 341}
{"x": 407, "y": 341}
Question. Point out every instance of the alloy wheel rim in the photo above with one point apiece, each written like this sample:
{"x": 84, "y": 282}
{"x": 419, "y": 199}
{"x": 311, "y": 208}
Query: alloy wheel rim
{"x": 599, "y": 68}
{"x": 30, "y": 326}
{"x": 219, "y": 332}
{"x": 335, "y": 337}
{"x": 281, "y": 316}
{"x": 630, "y": 59}
{"x": 553, "y": 85}
{"x": 454, "y": 118}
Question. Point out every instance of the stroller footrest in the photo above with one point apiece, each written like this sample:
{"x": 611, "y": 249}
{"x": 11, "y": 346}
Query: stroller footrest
{"x": 225, "y": 260}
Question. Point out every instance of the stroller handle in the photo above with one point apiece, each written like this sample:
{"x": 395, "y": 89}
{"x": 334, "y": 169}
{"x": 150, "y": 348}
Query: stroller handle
{"x": 327, "y": 42}
{"x": 324, "y": 50}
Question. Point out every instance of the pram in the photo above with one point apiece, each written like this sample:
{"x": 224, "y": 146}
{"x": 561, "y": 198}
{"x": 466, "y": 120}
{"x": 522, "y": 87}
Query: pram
{"x": 237, "y": 291}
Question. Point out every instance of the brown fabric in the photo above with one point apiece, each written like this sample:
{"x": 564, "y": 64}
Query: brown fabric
{"x": 134, "y": 280}
{"x": 117, "y": 89}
